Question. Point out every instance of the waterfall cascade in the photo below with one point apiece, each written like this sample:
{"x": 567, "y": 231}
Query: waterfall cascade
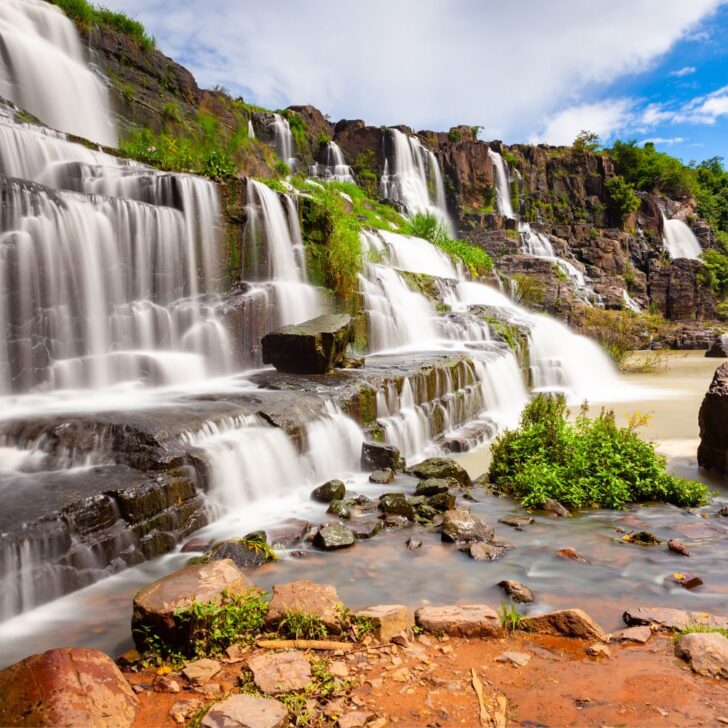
{"x": 680, "y": 240}
{"x": 283, "y": 140}
{"x": 333, "y": 166}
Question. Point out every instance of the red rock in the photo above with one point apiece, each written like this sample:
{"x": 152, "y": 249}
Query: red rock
{"x": 471, "y": 620}
{"x": 573, "y": 554}
{"x": 678, "y": 547}
{"x": 308, "y": 597}
{"x": 566, "y": 622}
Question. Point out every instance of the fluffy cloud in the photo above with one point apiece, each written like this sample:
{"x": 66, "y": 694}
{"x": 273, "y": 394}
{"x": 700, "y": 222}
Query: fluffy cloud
{"x": 429, "y": 63}
{"x": 684, "y": 71}
{"x": 606, "y": 118}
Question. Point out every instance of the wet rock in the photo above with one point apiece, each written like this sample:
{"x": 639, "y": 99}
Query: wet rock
{"x": 719, "y": 347}
{"x": 687, "y": 581}
{"x": 434, "y": 486}
{"x": 376, "y": 456}
{"x": 475, "y": 620}
{"x": 566, "y": 622}
{"x": 288, "y": 533}
{"x": 389, "y": 620}
{"x": 441, "y": 468}
{"x": 519, "y": 659}
{"x": 195, "y": 544}
{"x": 308, "y": 597}
{"x": 723, "y": 512}
{"x": 413, "y": 543}
{"x": 598, "y": 650}
{"x": 426, "y": 514}
{"x": 713, "y": 420}
{"x": 332, "y": 536}
{"x": 396, "y": 503}
{"x": 671, "y": 619}
{"x": 572, "y": 554}
{"x": 66, "y": 687}
{"x": 352, "y": 362}
{"x": 330, "y": 491}
{"x": 442, "y": 502}
{"x": 249, "y": 551}
{"x": 554, "y": 507}
{"x": 461, "y": 526}
{"x": 246, "y": 711}
{"x": 516, "y": 591}
{"x": 393, "y": 520}
{"x": 642, "y": 538}
{"x": 365, "y": 528}
{"x": 280, "y": 672}
{"x": 705, "y": 652}
{"x": 382, "y": 477}
{"x": 313, "y": 347}
{"x": 201, "y": 671}
{"x": 632, "y": 634}
{"x": 339, "y": 508}
{"x": 516, "y": 521}
{"x": 483, "y": 551}
{"x": 155, "y": 604}
{"x": 678, "y": 547}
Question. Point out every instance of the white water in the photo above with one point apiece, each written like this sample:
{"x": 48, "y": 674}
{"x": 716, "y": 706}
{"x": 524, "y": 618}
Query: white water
{"x": 42, "y": 70}
{"x": 502, "y": 185}
{"x": 680, "y": 240}
{"x": 283, "y": 140}
{"x": 333, "y": 168}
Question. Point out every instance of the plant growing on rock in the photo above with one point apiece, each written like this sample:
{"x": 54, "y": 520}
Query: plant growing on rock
{"x": 510, "y": 618}
{"x": 302, "y": 626}
{"x": 622, "y": 200}
{"x": 588, "y": 463}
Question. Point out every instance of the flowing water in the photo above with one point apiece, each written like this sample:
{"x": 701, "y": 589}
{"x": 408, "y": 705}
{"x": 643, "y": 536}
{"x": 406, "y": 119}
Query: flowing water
{"x": 680, "y": 241}
{"x": 332, "y": 165}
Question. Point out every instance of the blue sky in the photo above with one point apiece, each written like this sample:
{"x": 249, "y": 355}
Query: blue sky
{"x": 526, "y": 71}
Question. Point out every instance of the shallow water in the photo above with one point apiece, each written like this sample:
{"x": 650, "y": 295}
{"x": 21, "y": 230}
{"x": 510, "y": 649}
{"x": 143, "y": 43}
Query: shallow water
{"x": 383, "y": 570}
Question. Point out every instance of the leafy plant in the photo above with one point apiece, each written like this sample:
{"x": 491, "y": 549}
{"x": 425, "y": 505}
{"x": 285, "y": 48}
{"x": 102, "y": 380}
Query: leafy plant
{"x": 510, "y": 618}
{"x": 622, "y": 200}
{"x": 302, "y": 626}
{"x": 591, "y": 462}
{"x": 527, "y": 290}
{"x": 586, "y": 141}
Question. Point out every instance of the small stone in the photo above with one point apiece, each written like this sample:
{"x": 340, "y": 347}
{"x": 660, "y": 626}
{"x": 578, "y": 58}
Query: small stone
{"x": 394, "y": 520}
{"x": 210, "y": 690}
{"x": 338, "y": 669}
{"x": 377, "y": 456}
{"x": 642, "y": 538}
{"x": 167, "y": 684}
{"x": 678, "y": 547}
{"x": 355, "y": 719}
{"x": 723, "y": 512}
{"x": 705, "y": 652}
{"x": 482, "y": 551}
{"x": 474, "y": 620}
{"x": 687, "y": 581}
{"x": 442, "y": 502}
{"x": 554, "y": 507}
{"x": 413, "y": 543}
{"x": 246, "y": 711}
{"x": 396, "y": 503}
{"x": 519, "y": 659}
{"x": 365, "y": 527}
{"x": 382, "y": 477}
{"x": 389, "y": 620}
{"x": 332, "y": 536}
{"x": 339, "y": 508}
{"x": 201, "y": 671}
{"x": 572, "y": 554}
{"x": 183, "y": 710}
{"x": 330, "y": 491}
{"x": 516, "y": 591}
{"x": 280, "y": 672}
{"x": 401, "y": 675}
{"x": 516, "y": 521}
{"x": 598, "y": 650}
{"x": 632, "y": 634}
{"x": 461, "y": 526}
{"x": 235, "y": 653}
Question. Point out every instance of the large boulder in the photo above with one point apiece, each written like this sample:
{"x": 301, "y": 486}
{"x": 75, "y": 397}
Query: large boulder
{"x": 377, "y": 456}
{"x": 719, "y": 347}
{"x": 705, "y": 652}
{"x": 313, "y": 347}
{"x": 330, "y": 491}
{"x": 713, "y": 420}
{"x": 461, "y": 526}
{"x": 442, "y": 468}
{"x": 566, "y": 622}
{"x": 155, "y": 604}
{"x": 66, "y": 687}
{"x": 333, "y": 536}
{"x": 307, "y": 597}
{"x": 672, "y": 619}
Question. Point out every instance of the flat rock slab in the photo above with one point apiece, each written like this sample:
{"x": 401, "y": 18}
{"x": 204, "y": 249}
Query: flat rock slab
{"x": 470, "y": 620}
{"x": 519, "y": 659}
{"x": 705, "y": 652}
{"x": 355, "y": 719}
{"x": 632, "y": 634}
{"x": 307, "y": 597}
{"x": 66, "y": 687}
{"x": 566, "y": 622}
{"x": 202, "y": 671}
{"x": 389, "y": 620}
{"x": 246, "y": 711}
{"x": 280, "y": 672}
{"x": 672, "y": 619}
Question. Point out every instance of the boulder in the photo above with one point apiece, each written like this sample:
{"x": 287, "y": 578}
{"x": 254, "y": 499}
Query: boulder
{"x": 554, "y": 507}
{"x": 566, "y": 622}
{"x": 482, "y": 551}
{"x": 308, "y": 597}
{"x": 472, "y": 620}
{"x": 201, "y": 671}
{"x": 280, "y": 672}
{"x": 313, "y": 347}
{"x": 389, "y": 620}
{"x": 245, "y": 552}
{"x": 332, "y": 536}
{"x": 329, "y": 491}
{"x": 434, "y": 486}
{"x": 516, "y": 591}
{"x": 719, "y": 347}
{"x": 377, "y": 456}
{"x": 382, "y": 477}
{"x": 631, "y": 634}
{"x": 671, "y": 619}
{"x": 705, "y": 652}
{"x": 66, "y": 687}
{"x": 396, "y": 503}
{"x": 365, "y": 527}
{"x": 442, "y": 468}
{"x": 246, "y": 711}
{"x": 461, "y": 526}
{"x": 713, "y": 421}
{"x": 155, "y": 604}
{"x": 442, "y": 502}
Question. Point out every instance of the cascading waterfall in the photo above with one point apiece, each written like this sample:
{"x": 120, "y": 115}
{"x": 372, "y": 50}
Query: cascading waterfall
{"x": 680, "y": 240}
{"x": 333, "y": 168}
{"x": 502, "y": 185}
{"x": 283, "y": 140}
{"x": 42, "y": 69}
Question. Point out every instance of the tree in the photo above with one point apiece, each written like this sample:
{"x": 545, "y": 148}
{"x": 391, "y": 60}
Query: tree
{"x": 586, "y": 141}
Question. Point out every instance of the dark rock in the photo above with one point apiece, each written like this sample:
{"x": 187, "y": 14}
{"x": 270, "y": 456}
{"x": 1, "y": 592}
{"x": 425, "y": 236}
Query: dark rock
{"x": 396, "y": 504}
{"x": 552, "y": 506}
{"x": 249, "y": 551}
{"x": 719, "y": 347}
{"x": 376, "y": 456}
{"x": 434, "y": 486}
{"x": 516, "y": 521}
{"x": 394, "y": 520}
{"x": 413, "y": 543}
{"x": 382, "y": 477}
{"x": 461, "y": 526}
{"x": 713, "y": 420}
{"x": 365, "y": 527}
{"x": 441, "y": 468}
{"x": 678, "y": 547}
{"x": 339, "y": 508}
{"x": 442, "y": 502}
{"x": 688, "y": 581}
{"x": 643, "y": 538}
{"x": 330, "y": 491}
{"x": 723, "y": 512}
{"x": 313, "y": 347}
{"x": 332, "y": 536}
{"x": 516, "y": 591}
{"x": 289, "y": 532}
{"x": 351, "y": 362}
{"x": 482, "y": 551}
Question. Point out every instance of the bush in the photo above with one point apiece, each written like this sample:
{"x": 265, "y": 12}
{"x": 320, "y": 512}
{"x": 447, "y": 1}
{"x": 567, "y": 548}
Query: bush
{"x": 622, "y": 200}
{"x": 591, "y": 462}
{"x": 714, "y": 273}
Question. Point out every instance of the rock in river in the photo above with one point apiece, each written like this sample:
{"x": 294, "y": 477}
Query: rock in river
{"x": 462, "y": 526}
{"x": 713, "y": 420}
{"x": 442, "y": 468}
{"x": 330, "y": 491}
{"x": 332, "y": 536}
{"x": 313, "y": 347}
{"x": 516, "y": 591}
{"x": 719, "y": 347}
{"x": 376, "y": 456}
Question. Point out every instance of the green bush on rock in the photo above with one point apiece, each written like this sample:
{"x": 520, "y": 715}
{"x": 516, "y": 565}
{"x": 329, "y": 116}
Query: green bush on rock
{"x": 591, "y": 462}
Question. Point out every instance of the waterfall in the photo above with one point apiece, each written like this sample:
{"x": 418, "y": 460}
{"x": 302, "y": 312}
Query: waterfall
{"x": 283, "y": 140}
{"x": 502, "y": 185}
{"x": 251, "y": 130}
{"x": 333, "y": 168}
{"x": 413, "y": 178}
{"x": 680, "y": 241}
{"x": 42, "y": 69}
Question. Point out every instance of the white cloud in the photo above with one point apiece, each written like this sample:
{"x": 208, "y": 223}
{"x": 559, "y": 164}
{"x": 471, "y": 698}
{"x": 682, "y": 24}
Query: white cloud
{"x": 684, "y": 71}
{"x": 668, "y": 142}
{"x": 605, "y": 118}
{"x": 428, "y": 63}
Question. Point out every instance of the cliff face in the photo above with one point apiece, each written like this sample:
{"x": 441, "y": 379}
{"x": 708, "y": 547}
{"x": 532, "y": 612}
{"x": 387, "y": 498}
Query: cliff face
{"x": 560, "y": 192}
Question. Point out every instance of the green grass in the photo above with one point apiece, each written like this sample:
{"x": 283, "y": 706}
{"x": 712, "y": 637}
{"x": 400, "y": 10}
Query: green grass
{"x": 587, "y": 463}
{"x": 700, "y": 628}
{"x": 510, "y": 618}
{"x": 302, "y": 626}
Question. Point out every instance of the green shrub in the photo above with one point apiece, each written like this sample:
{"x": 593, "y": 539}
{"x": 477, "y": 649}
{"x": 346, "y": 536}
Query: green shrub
{"x": 622, "y": 200}
{"x": 302, "y": 626}
{"x": 528, "y": 290}
{"x": 365, "y": 171}
{"x": 591, "y": 462}
{"x": 714, "y": 273}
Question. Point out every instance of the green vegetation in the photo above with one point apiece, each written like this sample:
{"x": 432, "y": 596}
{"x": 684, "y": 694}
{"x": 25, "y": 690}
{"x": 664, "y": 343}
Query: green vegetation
{"x": 302, "y": 626}
{"x": 86, "y": 15}
{"x": 586, "y": 141}
{"x": 700, "y": 628}
{"x": 365, "y": 171}
{"x": 427, "y": 226}
{"x": 454, "y": 135}
{"x": 298, "y": 129}
{"x": 590, "y": 463}
{"x": 714, "y": 273}
{"x": 527, "y": 290}
{"x": 510, "y": 618}
{"x": 622, "y": 200}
